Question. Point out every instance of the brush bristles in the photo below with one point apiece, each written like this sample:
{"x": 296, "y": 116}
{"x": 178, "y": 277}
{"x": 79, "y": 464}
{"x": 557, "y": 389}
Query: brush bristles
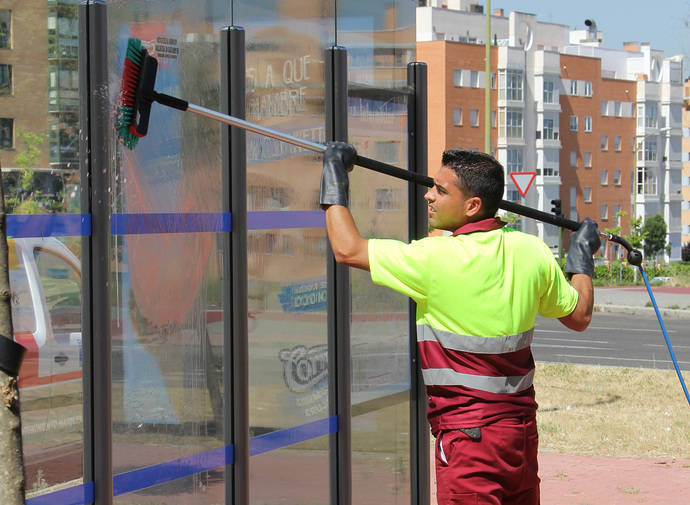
{"x": 124, "y": 116}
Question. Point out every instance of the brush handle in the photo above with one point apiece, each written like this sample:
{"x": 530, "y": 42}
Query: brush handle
{"x": 170, "y": 101}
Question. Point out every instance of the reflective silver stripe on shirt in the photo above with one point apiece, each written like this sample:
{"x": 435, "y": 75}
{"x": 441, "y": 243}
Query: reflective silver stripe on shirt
{"x": 469, "y": 343}
{"x": 499, "y": 385}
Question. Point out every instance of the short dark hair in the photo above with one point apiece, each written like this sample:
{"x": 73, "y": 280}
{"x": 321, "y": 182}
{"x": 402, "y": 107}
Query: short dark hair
{"x": 479, "y": 174}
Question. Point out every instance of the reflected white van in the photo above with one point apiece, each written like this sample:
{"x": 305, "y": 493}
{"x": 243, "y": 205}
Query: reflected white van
{"x": 45, "y": 281}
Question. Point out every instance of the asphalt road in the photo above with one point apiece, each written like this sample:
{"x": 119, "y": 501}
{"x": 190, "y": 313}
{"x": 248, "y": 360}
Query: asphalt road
{"x": 613, "y": 340}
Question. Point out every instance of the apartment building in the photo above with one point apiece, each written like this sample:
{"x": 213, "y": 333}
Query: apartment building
{"x": 599, "y": 126}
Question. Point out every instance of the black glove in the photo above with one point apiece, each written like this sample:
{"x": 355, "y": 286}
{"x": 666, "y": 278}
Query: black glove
{"x": 583, "y": 244}
{"x": 338, "y": 160}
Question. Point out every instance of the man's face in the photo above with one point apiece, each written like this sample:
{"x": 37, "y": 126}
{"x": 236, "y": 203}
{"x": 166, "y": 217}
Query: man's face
{"x": 447, "y": 205}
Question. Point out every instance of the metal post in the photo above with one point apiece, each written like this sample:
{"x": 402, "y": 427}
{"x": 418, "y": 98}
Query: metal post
{"x": 235, "y": 328}
{"x": 95, "y": 199}
{"x": 418, "y": 228}
{"x": 338, "y": 301}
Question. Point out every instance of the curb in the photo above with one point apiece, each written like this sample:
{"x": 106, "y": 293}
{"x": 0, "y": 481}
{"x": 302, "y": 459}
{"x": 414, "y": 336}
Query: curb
{"x": 632, "y": 309}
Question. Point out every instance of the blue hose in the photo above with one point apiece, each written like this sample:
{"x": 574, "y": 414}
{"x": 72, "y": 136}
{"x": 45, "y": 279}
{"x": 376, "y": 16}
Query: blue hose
{"x": 663, "y": 329}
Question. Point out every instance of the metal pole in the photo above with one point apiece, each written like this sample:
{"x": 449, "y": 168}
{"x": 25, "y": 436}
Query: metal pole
{"x": 95, "y": 199}
{"x": 339, "y": 402}
{"x": 487, "y": 82}
{"x": 418, "y": 228}
{"x": 235, "y": 328}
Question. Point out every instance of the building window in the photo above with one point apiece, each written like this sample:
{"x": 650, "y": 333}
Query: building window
{"x": 457, "y": 77}
{"x": 573, "y": 123}
{"x": 514, "y": 123}
{"x": 457, "y": 117}
{"x": 588, "y": 123}
{"x": 474, "y": 79}
{"x": 493, "y": 119}
{"x": 514, "y": 160}
{"x": 604, "y": 213}
{"x": 616, "y": 177}
{"x": 604, "y": 177}
{"x": 493, "y": 80}
{"x": 474, "y": 117}
{"x": 548, "y": 92}
{"x": 651, "y": 115}
{"x": 5, "y": 26}
{"x": 5, "y": 79}
{"x": 647, "y": 150}
{"x": 573, "y": 87}
{"x": 587, "y": 194}
{"x": 617, "y": 143}
{"x": 387, "y": 199}
{"x": 618, "y": 109}
{"x": 646, "y": 181}
{"x": 616, "y": 213}
{"x": 632, "y": 143}
{"x": 573, "y": 158}
{"x": 587, "y": 156}
{"x": 604, "y": 104}
{"x": 604, "y": 142}
{"x": 640, "y": 115}
{"x": 510, "y": 85}
{"x": 588, "y": 88}
{"x": 549, "y": 133}
{"x": 6, "y": 133}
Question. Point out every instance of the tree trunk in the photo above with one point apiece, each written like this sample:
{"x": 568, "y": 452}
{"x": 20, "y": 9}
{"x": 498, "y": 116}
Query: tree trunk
{"x": 11, "y": 457}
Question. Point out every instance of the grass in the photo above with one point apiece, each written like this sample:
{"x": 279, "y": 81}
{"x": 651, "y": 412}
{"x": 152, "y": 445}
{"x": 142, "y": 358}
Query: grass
{"x": 611, "y": 411}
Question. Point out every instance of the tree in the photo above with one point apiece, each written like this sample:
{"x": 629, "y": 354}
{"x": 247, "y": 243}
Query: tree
{"x": 11, "y": 457}
{"x": 655, "y": 235}
{"x": 637, "y": 233}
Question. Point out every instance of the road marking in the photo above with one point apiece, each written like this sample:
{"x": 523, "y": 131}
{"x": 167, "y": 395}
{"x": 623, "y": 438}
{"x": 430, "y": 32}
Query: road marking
{"x": 653, "y": 330}
{"x": 622, "y": 359}
{"x": 664, "y": 346}
{"x": 558, "y": 346}
{"x": 577, "y": 340}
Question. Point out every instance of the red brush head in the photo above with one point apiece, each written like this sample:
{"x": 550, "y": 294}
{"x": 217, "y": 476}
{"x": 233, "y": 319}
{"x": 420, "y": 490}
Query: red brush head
{"x": 130, "y": 81}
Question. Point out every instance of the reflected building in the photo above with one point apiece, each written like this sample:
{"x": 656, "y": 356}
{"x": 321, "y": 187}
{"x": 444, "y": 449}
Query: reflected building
{"x": 39, "y": 88}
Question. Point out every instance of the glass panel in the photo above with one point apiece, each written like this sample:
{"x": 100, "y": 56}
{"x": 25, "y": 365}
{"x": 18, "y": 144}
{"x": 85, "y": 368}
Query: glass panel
{"x": 288, "y": 372}
{"x": 167, "y": 316}
{"x": 45, "y": 277}
{"x": 379, "y": 321}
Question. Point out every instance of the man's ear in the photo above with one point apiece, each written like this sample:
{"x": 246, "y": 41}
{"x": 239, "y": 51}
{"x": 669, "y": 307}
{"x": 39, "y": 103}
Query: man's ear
{"x": 473, "y": 206}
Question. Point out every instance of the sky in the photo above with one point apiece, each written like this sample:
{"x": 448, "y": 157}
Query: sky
{"x": 665, "y": 24}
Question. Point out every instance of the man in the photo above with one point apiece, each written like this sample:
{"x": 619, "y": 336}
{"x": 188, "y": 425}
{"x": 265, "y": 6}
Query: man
{"x": 477, "y": 293}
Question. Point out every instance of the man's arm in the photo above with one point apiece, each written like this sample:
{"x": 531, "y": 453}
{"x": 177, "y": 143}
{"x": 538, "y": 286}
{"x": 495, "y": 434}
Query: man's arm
{"x": 580, "y": 318}
{"x": 580, "y": 266}
{"x": 348, "y": 245}
{"x": 349, "y": 248}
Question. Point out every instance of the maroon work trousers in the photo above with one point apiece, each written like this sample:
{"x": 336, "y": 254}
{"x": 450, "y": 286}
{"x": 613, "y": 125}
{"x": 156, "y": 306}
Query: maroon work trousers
{"x": 499, "y": 468}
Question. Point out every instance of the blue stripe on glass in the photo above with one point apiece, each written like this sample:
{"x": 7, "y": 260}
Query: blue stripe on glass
{"x": 48, "y": 225}
{"x": 138, "y": 224}
{"x": 284, "y": 219}
{"x": 171, "y": 470}
{"x": 77, "y": 495}
{"x": 184, "y": 467}
{"x": 283, "y": 438}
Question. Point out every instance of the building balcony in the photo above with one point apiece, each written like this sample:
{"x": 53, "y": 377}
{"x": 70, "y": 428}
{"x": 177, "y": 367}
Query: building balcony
{"x": 548, "y": 107}
{"x": 553, "y": 143}
{"x": 647, "y": 91}
{"x": 547, "y": 62}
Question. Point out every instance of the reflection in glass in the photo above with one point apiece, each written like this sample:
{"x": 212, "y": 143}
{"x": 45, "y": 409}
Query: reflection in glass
{"x": 380, "y": 41}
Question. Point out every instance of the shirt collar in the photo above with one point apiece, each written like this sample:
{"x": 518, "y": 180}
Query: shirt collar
{"x": 489, "y": 224}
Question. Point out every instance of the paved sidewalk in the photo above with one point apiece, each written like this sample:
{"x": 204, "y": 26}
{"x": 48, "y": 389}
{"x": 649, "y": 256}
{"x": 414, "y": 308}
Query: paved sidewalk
{"x": 672, "y": 302}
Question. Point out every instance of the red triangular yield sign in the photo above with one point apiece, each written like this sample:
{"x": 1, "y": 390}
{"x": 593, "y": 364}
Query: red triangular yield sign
{"x": 523, "y": 180}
